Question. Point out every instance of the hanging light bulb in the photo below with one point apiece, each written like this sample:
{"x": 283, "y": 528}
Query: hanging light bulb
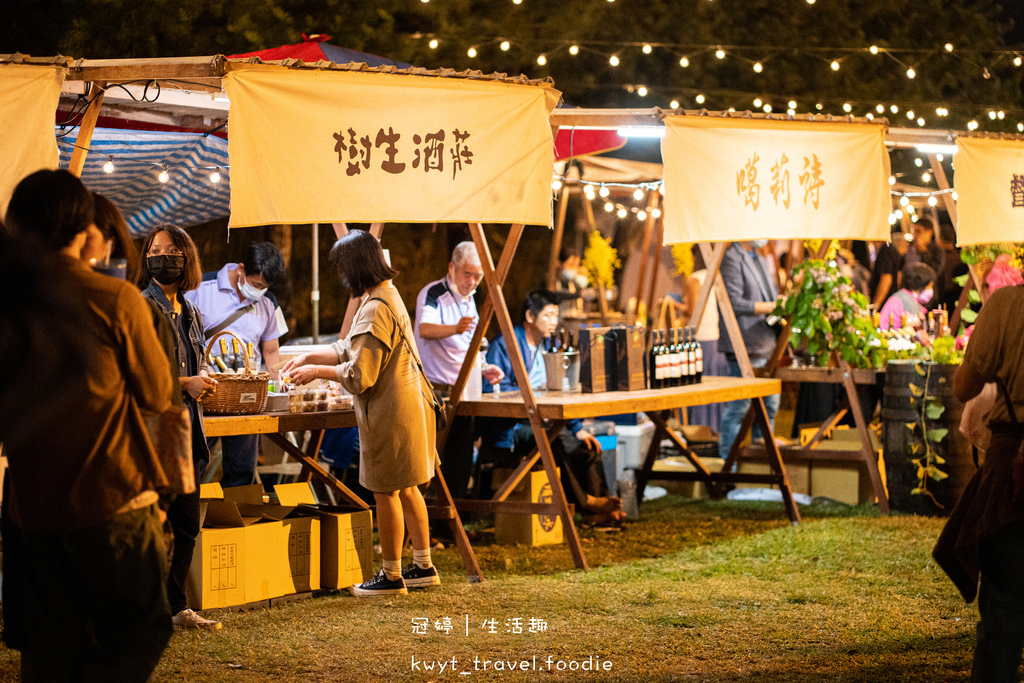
{"x": 674, "y": 104}
{"x": 835, "y": 65}
{"x": 164, "y": 175}
{"x": 847, "y": 107}
{"x": 819, "y": 106}
{"x": 517, "y": 2}
{"x": 684, "y": 62}
{"x": 810, "y": 2}
{"x": 505, "y": 45}
{"x": 609, "y": 207}
{"x": 767, "y": 108}
{"x": 556, "y": 184}
{"x": 758, "y": 67}
{"x": 892, "y": 180}
{"x": 574, "y": 49}
{"x": 992, "y": 115}
{"x": 720, "y": 53}
{"x": 920, "y": 121}
{"x": 433, "y": 43}
{"x": 614, "y": 60}
{"x": 873, "y": 49}
{"x": 791, "y": 112}
{"x": 932, "y": 201}
{"x": 955, "y": 196}
{"x": 892, "y": 219}
{"x": 699, "y": 98}
{"x": 589, "y": 191}
{"x": 638, "y": 194}
{"x": 926, "y": 177}
{"x": 972, "y": 125}
{"x": 870, "y": 116}
{"x": 642, "y": 91}
{"x": 542, "y": 59}
{"x": 1020, "y": 127}
{"x": 898, "y": 214}
{"x": 911, "y": 73}
{"x": 108, "y": 167}
{"x": 215, "y": 176}
{"x": 758, "y": 102}
{"x": 621, "y": 213}
{"x": 1000, "y": 114}
{"x": 949, "y": 47}
{"x": 880, "y": 108}
{"x": 646, "y": 49}
{"x": 641, "y": 215}
{"x": 471, "y": 52}
{"x": 910, "y": 114}
{"x": 792, "y": 104}
{"x": 918, "y": 162}
{"x": 1017, "y": 60}
{"x": 604, "y": 191}
{"x": 940, "y": 157}
{"x": 904, "y": 200}
{"x": 894, "y": 109}
{"x": 656, "y": 213}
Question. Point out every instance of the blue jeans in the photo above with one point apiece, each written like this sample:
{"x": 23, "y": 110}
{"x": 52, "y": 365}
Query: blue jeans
{"x": 240, "y": 455}
{"x": 733, "y": 411}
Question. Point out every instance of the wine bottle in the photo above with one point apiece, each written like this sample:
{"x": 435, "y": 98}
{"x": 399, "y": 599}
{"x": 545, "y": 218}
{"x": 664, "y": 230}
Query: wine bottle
{"x": 237, "y": 361}
{"x": 660, "y": 359}
{"x": 684, "y": 358}
{"x": 569, "y": 346}
{"x": 224, "y": 358}
{"x": 219, "y": 362}
{"x": 699, "y": 353}
{"x": 250, "y": 351}
{"x": 678, "y": 359}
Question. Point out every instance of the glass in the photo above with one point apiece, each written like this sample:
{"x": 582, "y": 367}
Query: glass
{"x": 157, "y": 251}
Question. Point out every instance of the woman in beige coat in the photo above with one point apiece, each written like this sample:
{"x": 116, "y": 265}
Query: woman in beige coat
{"x": 393, "y": 405}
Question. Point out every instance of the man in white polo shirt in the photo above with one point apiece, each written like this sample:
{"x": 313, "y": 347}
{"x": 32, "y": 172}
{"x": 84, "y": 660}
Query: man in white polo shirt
{"x": 445, "y": 319}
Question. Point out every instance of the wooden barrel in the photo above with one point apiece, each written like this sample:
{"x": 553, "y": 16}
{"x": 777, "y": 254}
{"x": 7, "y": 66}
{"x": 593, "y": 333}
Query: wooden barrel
{"x": 897, "y": 411}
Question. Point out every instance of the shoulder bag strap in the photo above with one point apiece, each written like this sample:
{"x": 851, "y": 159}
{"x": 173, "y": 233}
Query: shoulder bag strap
{"x": 217, "y": 329}
{"x": 1009, "y": 402}
{"x": 405, "y": 340}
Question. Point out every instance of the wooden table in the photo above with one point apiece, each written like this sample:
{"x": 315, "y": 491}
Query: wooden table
{"x": 556, "y": 407}
{"x": 276, "y": 425}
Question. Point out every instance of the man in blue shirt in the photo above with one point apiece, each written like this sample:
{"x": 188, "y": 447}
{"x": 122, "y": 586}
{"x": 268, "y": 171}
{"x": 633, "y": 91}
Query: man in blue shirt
{"x": 577, "y": 453}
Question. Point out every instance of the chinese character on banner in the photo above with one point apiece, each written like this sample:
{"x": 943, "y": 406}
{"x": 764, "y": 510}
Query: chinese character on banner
{"x": 811, "y": 179}
{"x": 514, "y": 625}
{"x": 490, "y": 625}
{"x": 432, "y": 153}
{"x": 389, "y": 164}
{"x": 537, "y": 625}
{"x": 460, "y": 152}
{"x": 1017, "y": 191}
{"x": 780, "y": 181}
{"x": 443, "y": 624}
{"x": 419, "y": 625}
{"x": 746, "y": 185}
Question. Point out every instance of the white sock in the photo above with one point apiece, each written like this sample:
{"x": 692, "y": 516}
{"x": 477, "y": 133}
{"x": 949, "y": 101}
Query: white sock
{"x": 422, "y": 558}
{"x": 393, "y": 569}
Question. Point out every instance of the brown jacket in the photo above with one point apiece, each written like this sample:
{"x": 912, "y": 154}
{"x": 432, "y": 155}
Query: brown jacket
{"x": 392, "y": 403}
{"x": 99, "y": 457}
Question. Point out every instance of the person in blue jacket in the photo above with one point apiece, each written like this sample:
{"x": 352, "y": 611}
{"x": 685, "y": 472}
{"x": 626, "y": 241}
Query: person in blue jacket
{"x": 577, "y": 453}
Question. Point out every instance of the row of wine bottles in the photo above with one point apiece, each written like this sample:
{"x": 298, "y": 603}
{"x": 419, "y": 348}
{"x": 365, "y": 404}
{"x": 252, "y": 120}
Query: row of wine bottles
{"x": 233, "y": 362}
{"x": 561, "y": 342}
{"x": 675, "y": 359}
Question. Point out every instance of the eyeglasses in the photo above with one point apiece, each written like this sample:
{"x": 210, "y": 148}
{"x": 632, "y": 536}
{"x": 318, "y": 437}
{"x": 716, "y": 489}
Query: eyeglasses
{"x": 171, "y": 251}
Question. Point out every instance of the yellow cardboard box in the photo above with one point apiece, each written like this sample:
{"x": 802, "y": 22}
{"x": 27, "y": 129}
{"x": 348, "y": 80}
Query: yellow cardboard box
{"x": 346, "y": 538}
{"x": 283, "y": 558}
{"x": 513, "y": 529}
{"x": 217, "y": 575}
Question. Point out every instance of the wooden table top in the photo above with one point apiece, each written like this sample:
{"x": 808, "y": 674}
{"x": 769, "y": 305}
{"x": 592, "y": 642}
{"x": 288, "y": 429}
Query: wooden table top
{"x": 827, "y": 375}
{"x": 558, "y": 405}
{"x": 272, "y": 423}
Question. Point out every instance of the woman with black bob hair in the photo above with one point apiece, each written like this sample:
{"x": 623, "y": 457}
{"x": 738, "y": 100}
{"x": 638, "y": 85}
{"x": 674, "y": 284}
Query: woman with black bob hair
{"x": 379, "y": 365}
{"x": 170, "y": 268}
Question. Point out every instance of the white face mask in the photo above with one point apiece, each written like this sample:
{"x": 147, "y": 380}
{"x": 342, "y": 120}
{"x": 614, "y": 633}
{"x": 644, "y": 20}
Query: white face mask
{"x": 250, "y": 292}
{"x": 757, "y": 244}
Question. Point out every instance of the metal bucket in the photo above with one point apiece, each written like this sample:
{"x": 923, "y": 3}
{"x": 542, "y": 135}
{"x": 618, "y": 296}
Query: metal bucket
{"x": 563, "y": 371}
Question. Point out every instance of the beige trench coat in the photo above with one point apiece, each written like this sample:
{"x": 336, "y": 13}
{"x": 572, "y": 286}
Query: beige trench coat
{"x": 393, "y": 407}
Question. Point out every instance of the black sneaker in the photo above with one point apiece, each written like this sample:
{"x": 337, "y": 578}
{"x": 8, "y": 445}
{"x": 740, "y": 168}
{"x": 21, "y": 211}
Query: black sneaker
{"x": 415, "y": 577}
{"x": 380, "y": 584}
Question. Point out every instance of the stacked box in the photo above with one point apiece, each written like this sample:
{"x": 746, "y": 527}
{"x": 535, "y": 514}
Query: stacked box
{"x": 624, "y": 359}
{"x": 516, "y": 529}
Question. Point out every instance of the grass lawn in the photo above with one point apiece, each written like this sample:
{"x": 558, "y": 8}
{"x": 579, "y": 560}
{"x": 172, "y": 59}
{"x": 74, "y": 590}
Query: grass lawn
{"x": 694, "y": 591}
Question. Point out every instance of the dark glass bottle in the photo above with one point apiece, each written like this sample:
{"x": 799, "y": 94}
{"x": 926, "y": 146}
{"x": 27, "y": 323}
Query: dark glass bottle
{"x": 699, "y": 352}
{"x": 657, "y": 361}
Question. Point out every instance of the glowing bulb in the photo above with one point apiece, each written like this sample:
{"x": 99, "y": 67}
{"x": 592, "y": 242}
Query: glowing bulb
{"x": 699, "y": 99}
{"x": 638, "y": 195}
{"x": 767, "y": 109}
{"x": 880, "y": 108}
{"x": 1017, "y": 60}
{"x": 972, "y": 125}
{"x": 574, "y": 50}
{"x": 870, "y": 116}
{"x": 791, "y": 112}
{"x": 433, "y": 44}
{"x": 720, "y": 53}
{"x": 505, "y": 45}
{"x": 898, "y": 214}
{"x": 920, "y": 121}
{"x": 1001, "y": 115}
{"x": 1020, "y": 127}
{"x": 904, "y": 200}
{"x": 621, "y": 213}
{"x": 646, "y": 49}
{"x": 641, "y": 91}
{"x": 792, "y": 104}
{"x": 674, "y": 104}
{"x": 471, "y": 52}
{"x": 819, "y": 106}
{"x": 656, "y": 213}
{"x": 215, "y": 176}
{"x": 641, "y": 215}
{"x": 955, "y": 196}
{"x": 894, "y": 109}
{"x": 109, "y": 166}
{"x": 892, "y": 180}
{"x": 517, "y": 2}
{"x": 164, "y": 175}
{"x": 609, "y": 207}
{"x": 613, "y": 60}
{"x": 589, "y": 191}
{"x": 684, "y": 62}
{"x": 835, "y": 65}
{"x": 918, "y": 162}
{"x": 810, "y": 2}
{"x": 847, "y": 107}
{"x": 604, "y": 191}
{"x": 873, "y": 49}
{"x": 910, "y": 114}
{"x": 542, "y": 60}
{"x": 949, "y": 47}
{"x": 992, "y": 115}
{"x": 932, "y": 201}
{"x": 939, "y": 157}
{"x": 926, "y": 177}
{"x": 556, "y": 184}
{"x": 758, "y": 102}
{"x": 892, "y": 219}
{"x": 758, "y": 67}
{"x": 911, "y": 73}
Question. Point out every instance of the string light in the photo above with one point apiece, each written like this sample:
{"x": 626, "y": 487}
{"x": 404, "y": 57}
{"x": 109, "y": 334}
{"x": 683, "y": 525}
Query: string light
{"x": 699, "y": 98}
{"x": 609, "y": 207}
{"x": 638, "y": 194}
{"x": 873, "y": 49}
{"x": 894, "y": 109}
{"x": 904, "y": 200}
{"x": 767, "y": 108}
{"x": 641, "y": 215}
{"x": 819, "y": 106}
{"x": 791, "y": 111}
{"x": 641, "y": 91}
{"x": 433, "y": 43}
{"x": 972, "y": 125}
{"x": 870, "y": 116}
{"x": 926, "y": 177}
{"x": 164, "y": 175}
{"x": 847, "y": 107}
{"x": 674, "y": 104}
{"x": 918, "y": 162}
{"x": 898, "y": 213}
{"x": 910, "y": 113}
{"x": 720, "y": 53}
{"x": 955, "y": 196}
{"x": 932, "y": 201}
{"x": 940, "y": 157}
{"x": 646, "y": 49}
{"x": 574, "y": 49}
{"x": 1020, "y": 127}
{"x": 108, "y": 167}
{"x": 835, "y": 65}
{"x": 505, "y": 45}
{"x": 215, "y": 176}
{"x": 880, "y": 108}
{"x": 684, "y": 62}
{"x": 911, "y": 73}
{"x": 1001, "y": 114}
{"x": 758, "y": 67}
{"x": 920, "y": 121}
{"x": 892, "y": 180}
{"x": 758, "y": 102}
{"x": 992, "y": 115}
{"x": 471, "y": 52}
{"x": 1017, "y": 60}
{"x": 614, "y": 60}
{"x": 556, "y": 184}
{"x": 949, "y": 47}
{"x": 621, "y": 213}
{"x": 792, "y": 104}
{"x": 604, "y": 191}
{"x": 542, "y": 59}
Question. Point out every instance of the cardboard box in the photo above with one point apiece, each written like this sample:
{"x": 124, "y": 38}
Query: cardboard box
{"x": 282, "y": 558}
{"x": 346, "y": 538}
{"x": 689, "y": 489}
{"x": 847, "y": 482}
{"x": 217, "y": 575}
{"x": 515, "y": 529}
{"x": 797, "y": 471}
{"x": 624, "y": 353}
{"x": 593, "y": 373}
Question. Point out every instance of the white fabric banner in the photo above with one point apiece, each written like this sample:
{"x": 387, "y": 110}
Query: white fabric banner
{"x": 989, "y": 181}
{"x": 343, "y": 146}
{"x": 28, "y": 106}
{"x": 729, "y": 179}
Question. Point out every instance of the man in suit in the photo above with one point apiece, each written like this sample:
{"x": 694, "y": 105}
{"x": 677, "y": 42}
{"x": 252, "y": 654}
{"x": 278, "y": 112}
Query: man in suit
{"x": 752, "y": 293}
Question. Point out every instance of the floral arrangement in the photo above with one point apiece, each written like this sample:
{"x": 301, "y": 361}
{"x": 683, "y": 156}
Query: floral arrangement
{"x": 811, "y": 247}
{"x": 974, "y": 253}
{"x": 829, "y": 315}
{"x": 682, "y": 256}
{"x": 600, "y": 260}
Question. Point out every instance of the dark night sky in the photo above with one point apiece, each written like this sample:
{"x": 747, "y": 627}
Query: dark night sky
{"x": 1014, "y": 10}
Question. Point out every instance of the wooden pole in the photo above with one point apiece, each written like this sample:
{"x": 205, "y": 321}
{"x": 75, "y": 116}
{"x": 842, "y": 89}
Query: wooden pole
{"x": 341, "y": 230}
{"x": 314, "y": 295}
{"x": 592, "y": 222}
{"x": 710, "y": 268}
{"x": 656, "y": 261}
{"x": 732, "y": 326}
{"x": 86, "y": 129}
{"x": 947, "y": 199}
{"x": 556, "y": 239}
{"x": 645, "y": 248}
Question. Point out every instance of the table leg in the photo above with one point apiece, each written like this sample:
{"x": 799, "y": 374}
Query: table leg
{"x": 774, "y": 457}
{"x": 643, "y": 475}
{"x": 316, "y": 469}
{"x": 867, "y": 452}
{"x": 525, "y": 465}
{"x": 455, "y": 524}
{"x": 715, "y": 491}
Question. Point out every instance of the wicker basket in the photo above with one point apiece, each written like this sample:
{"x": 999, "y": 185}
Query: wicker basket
{"x": 235, "y": 394}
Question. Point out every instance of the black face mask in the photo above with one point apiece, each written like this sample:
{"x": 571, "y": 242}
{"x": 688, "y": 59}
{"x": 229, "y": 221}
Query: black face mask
{"x": 166, "y": 268}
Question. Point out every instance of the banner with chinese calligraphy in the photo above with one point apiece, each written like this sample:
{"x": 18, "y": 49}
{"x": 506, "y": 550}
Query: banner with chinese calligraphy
{"x": 989, "y": 183}
{"x": 741, "y": 179}
{"x": 337, "y": 146}
{"x": 28, "y": 104}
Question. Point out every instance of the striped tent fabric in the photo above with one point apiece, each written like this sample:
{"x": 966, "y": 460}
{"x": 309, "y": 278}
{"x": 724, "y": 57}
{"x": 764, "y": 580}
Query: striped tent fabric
{"x": 187, "y": 198}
